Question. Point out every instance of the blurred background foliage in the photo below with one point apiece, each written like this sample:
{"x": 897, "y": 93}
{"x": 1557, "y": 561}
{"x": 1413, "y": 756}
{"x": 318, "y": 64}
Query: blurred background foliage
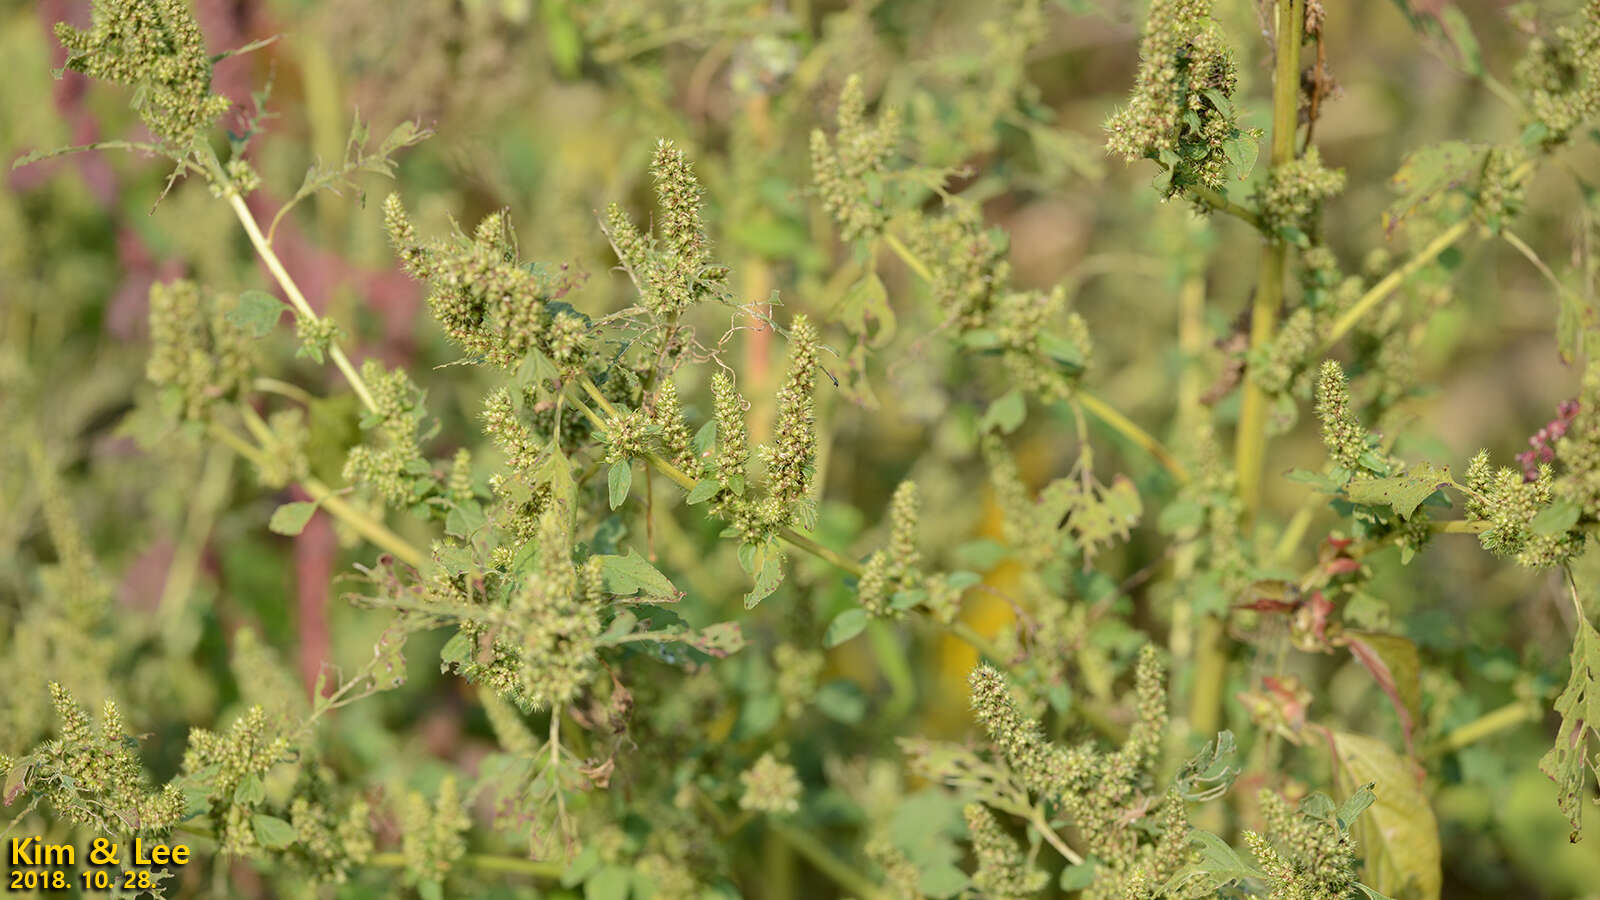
{"x": 551, "y": 109}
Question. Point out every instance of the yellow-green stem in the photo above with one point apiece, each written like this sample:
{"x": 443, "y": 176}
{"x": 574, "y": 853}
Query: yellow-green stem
{"x": 291, "y": 290}
{"x": 1251, "y": 438}
{"x": 363, "y": 524}
{"x": 483, "y": 862}
{"x": 822, "y": 859}
{"x": 1509, "y": 716}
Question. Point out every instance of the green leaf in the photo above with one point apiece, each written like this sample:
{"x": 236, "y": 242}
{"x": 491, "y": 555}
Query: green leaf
{"x": 981, "y": 339}
{"x": 1399, "y": 834}
{"x": 1579, "y": 706}
{"x": 625, "y": 576}
{"x": 767, "y": 579}
{"x": 256, "y": 313}
{"x": 556, "y": 471}
{"x": 1005, "y": 413}
{"x": 1356, "y": 804}
{"x": 867, "y": 300}
{"x": 1079, "y": 876}
{"x": 1217, "y": 867}
{"x": 842, "y": 701}
{"x": 1459, "y": 30}
{"x": 272, "y": 832}
{"x": 1180, "y": 515}
{"x": 1068, "y": 354}
{"x": 845, "y": 626}
{"x": 1404, "y": 493}
{"x": 250, "y": 790}
{"x": 704, "y": 490}
{"x": 619, "y": 480}
{"x": 581, "y": 867}
{"x": 291, "y": 518}
{"x": 464, "y": 519}
{"x": 610, "y": 882}
{"x": 1557, "y": 518}
{"x": 705, "y": 438}
{"x": 1427, "y": 178}
{"x": 940, "y": 881}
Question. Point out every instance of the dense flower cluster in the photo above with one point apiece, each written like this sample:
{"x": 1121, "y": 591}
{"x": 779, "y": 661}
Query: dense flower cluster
{"x": 673, "y": 270}
{"x": 196, "y": 351}
{"x": 93, "y": 777}
{"x": 494, "y": 306}
{"x": 155, "y": 46}
{"x": 391, "y": 462}
{"x": 1181, "y": 112}
{"x": 1292, "y": 192}
{"x": 770, "y": 786}
{"x": 1305, "y": 856}
{"x": 1097, "y": 790}
{"x": 849, "y": 171}
{"x": 896, "y": 567}
{"x": 1003, "y": 873}
{"x": 1561, "y": 75}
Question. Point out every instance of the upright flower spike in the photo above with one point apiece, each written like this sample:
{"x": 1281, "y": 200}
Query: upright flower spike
{"x": 904, "y": 509}
{"x": 1003, "y": 869}
{"x": 434, "y": 833}
{"x": 1342, "y": 433}
{"x": 847, "y": 172}
{"x": 195, "y": 349}
{"x": 391, "y": 461}
{"x": 667, "y": 415}
{"x": 733, "y": 440}
{"x": 791, "y": 456}
{"x": 683, "y": 231}
{"x": 496, "y": 307}
{"x": 559, "y": 628}
{"x": 673, "y": 270}
{"x": 156, "y": 47}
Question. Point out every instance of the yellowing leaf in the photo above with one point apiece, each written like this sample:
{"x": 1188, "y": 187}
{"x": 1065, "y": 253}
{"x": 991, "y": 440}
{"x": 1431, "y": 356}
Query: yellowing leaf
{"x": 1579, "y": 706}
{"x": 1398, "y": 835}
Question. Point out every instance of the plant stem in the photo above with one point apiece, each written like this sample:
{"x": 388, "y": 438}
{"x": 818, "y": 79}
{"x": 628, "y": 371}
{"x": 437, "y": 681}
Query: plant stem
{"x": 1053, "y": 839}
{"x": 1251, "y": 438}
{"x": 1126, "y": 427}
{"x": 1214, "y": 199}
{"x": 290, "y": 289}
{"x": 823, "y": 860}
{"x": 912, "y": 261}
{"x": 1509, "y": 716}
{"x": 208, "y": 497}
{"x": 363, "y": 524}
{"x": 483, "y": 862}
{"x": 1385, "y": 287}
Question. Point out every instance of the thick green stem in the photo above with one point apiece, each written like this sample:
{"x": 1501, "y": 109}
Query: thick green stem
{"x": 1214, "y": 199}
{"x": 1376, "y": 294}
{"x": 1251, "y": 439}
{"x": 822, "y": 859}
{"x": 1506, "y": 717}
